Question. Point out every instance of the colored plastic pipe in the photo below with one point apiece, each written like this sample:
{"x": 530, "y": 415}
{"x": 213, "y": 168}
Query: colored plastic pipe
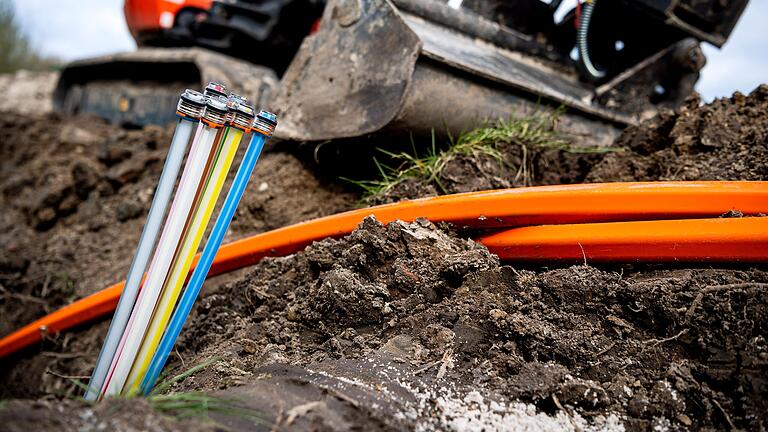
{"x": 189, "y": 110}
{"x": 688, "y": 240}
{"x": 215, "y": 112}
{"x": 268, "y": 123}
{"x": 190, "y": 244}
{"x": 542, "y": 205}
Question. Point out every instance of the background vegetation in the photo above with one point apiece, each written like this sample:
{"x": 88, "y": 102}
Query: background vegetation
{"x": 16, "y": 49}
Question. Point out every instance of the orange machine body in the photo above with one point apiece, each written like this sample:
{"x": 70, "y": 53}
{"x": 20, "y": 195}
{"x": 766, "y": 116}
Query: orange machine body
{"x": 153, "y": 16}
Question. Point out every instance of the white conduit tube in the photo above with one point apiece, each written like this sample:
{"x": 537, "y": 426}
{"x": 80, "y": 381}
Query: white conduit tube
{"x": 189, "y": 110}
{"x": 213, "y": 119}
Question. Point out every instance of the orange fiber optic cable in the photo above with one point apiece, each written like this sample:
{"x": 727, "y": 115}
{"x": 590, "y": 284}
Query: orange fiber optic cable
{"x": 685, "y": 240}
{"x": 542, "y": 205}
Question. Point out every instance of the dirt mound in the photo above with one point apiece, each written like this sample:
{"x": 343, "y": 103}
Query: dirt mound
{"x": 681, "y": 348}
{"x": 408, "y": 326}
{"x": 500, "y": 165}
{"x": 724, "y": 140}
{"x": 28, "y": 92}
{"x": 520, "y": 165}
{"x": 70, "y": 415}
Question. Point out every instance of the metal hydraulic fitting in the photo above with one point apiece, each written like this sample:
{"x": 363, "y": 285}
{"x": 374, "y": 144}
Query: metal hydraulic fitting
{"x": 216, "y": 112}
{"x": 191, "y": 105}
{"x": 242, "y": 116}
{"x": 214, "y": 89}
{"x": 265, "y": 123}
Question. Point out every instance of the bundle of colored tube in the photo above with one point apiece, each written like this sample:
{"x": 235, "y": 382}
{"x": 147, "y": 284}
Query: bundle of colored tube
{"x": 144, "y": 309}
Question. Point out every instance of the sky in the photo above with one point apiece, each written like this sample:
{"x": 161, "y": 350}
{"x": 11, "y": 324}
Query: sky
{"x": 73, "y": 29}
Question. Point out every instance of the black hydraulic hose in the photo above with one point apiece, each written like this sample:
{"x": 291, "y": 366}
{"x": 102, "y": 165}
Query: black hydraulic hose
{"x": 583, "y": 44}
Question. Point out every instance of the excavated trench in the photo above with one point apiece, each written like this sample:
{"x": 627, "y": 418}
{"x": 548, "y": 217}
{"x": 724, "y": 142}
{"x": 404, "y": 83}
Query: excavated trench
{"x": 405, "y": 326}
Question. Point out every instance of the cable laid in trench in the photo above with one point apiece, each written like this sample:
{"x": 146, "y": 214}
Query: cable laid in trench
{"x": 732, "y": 240}
{"x": 542, "y": 205}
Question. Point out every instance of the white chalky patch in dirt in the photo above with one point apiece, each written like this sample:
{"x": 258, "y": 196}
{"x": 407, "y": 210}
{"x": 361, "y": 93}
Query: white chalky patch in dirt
{"x": 445, "y": 409}
{"x": 473, "y": 413}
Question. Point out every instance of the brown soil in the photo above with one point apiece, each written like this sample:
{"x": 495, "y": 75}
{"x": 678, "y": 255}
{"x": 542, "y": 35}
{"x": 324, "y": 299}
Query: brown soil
{"x": 70, "y": 415}
{"x": 642, "y": 343}
{"x": 523, "y": 165}
{"x": 74, "y": 197}
{"x": 725, "y": 140}
{"x": 408, "y": 326}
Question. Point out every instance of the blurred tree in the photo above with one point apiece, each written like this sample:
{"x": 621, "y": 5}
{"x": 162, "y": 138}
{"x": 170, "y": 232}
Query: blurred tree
{"x": 16, "y": 51}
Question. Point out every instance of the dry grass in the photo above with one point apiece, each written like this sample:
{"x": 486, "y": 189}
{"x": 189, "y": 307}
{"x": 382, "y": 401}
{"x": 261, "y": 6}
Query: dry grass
{"x": 187, "y": 404}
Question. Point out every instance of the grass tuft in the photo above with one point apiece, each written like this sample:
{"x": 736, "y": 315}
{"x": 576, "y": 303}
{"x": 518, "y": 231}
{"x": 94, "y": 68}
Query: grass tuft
{"x": 195, "y": 403}
{"x": 535, "y": 132}
{"x": 165, "y": 384}
{"x": 181, "y": 405}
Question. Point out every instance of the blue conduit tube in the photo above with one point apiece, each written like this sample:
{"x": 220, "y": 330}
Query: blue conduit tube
{"x": 264, "y": 125}
{"x": 189, "y": 110}
{"x": 583, "y": 43}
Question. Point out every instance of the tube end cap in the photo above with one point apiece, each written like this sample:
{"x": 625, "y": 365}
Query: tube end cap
{"x": 265, "y": 123}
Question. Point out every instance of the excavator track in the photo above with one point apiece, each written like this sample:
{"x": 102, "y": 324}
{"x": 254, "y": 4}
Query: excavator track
{"x": 142, "y": 87}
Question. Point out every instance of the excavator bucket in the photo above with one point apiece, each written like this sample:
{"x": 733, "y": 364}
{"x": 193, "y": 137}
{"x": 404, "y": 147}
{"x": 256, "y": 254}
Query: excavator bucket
{"x": 384, "y": 68}
{"x": 413, "y": 66}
